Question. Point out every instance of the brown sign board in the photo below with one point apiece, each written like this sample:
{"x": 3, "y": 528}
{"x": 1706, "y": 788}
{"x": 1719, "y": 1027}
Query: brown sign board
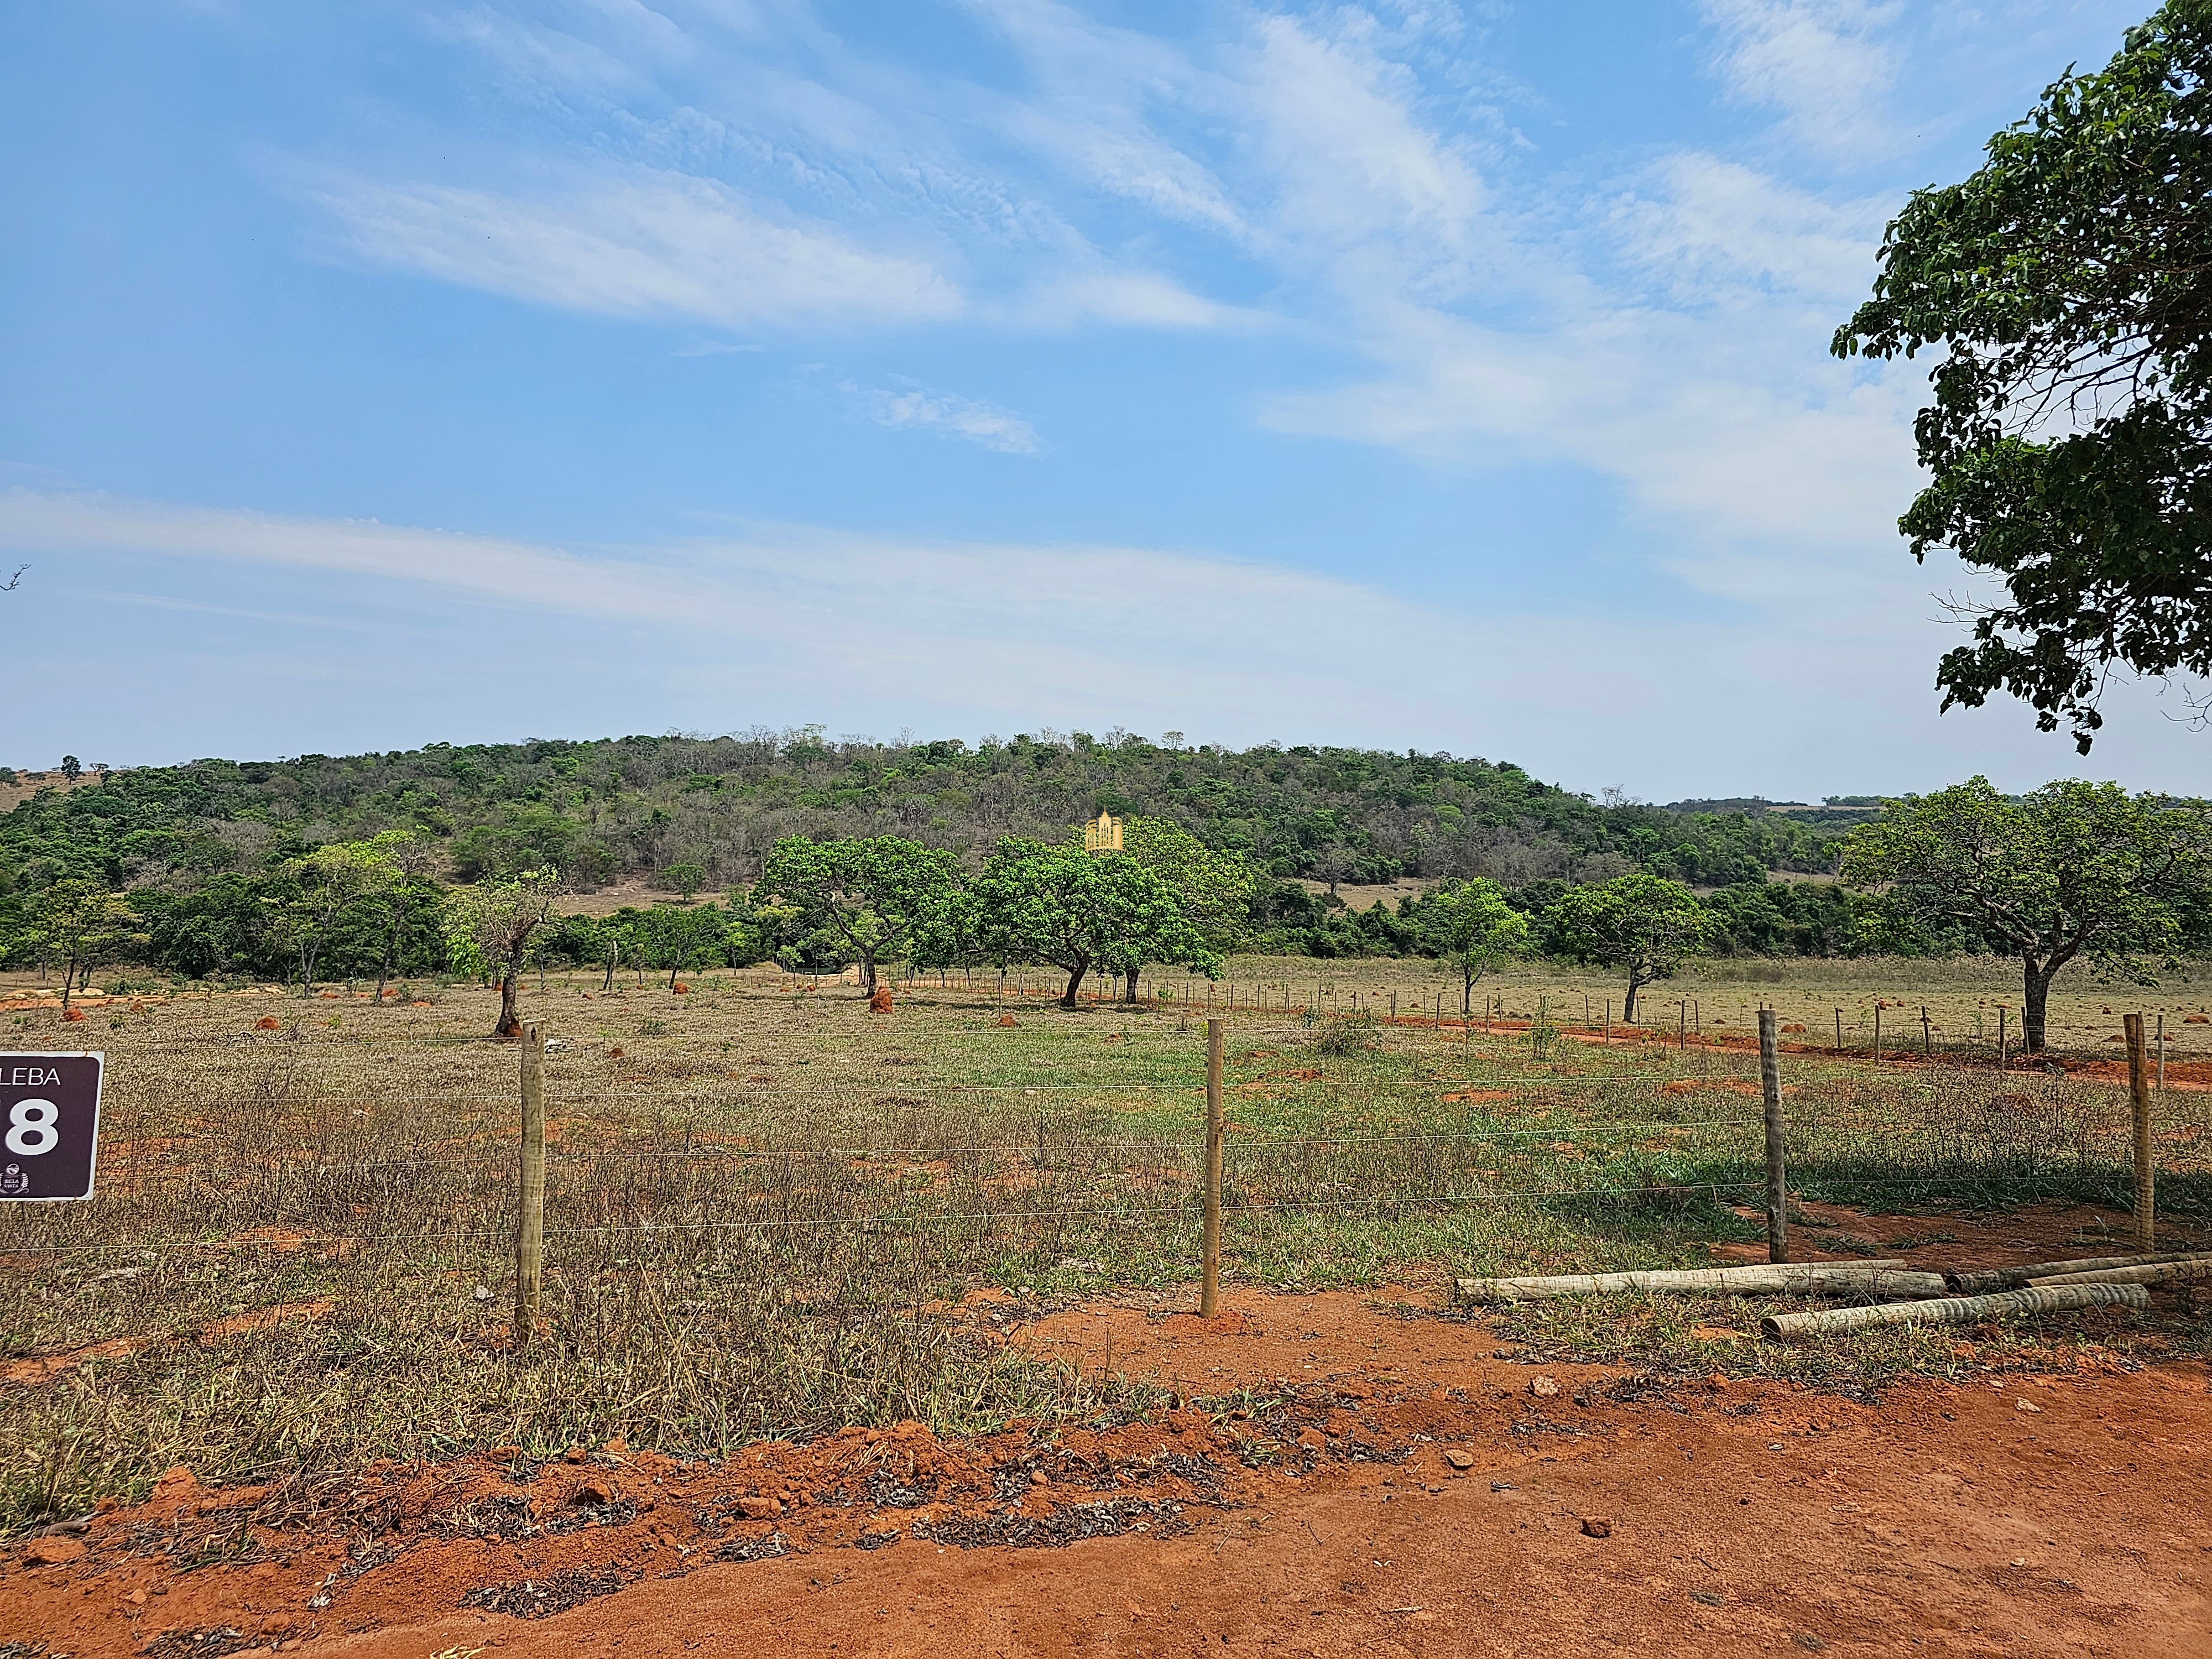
{"x": 49, "y": 1125}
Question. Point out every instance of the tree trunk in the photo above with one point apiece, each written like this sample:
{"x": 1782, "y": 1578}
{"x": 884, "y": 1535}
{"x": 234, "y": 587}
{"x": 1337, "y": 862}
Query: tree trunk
{"x": 1628, "y": 1008}
{"x": 510, "y": 1020}
{"x": 2035, "y": 995}
{"x": 868, "y": 978}
{"x": 69, "y": 979}
{"x": 614, "y": 952}
{"x": 1074, "y": 984}
{"x": 1466, "y": 995}
{"x": 384, "y": 971}
{"x": 1129, "y": 996}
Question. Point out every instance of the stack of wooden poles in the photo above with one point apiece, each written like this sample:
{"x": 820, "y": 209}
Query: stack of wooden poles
{"x": 1883, "y": 1292}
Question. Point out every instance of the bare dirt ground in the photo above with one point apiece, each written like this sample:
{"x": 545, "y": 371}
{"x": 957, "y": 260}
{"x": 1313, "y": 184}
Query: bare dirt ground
{"x": 1420, "y": 1492}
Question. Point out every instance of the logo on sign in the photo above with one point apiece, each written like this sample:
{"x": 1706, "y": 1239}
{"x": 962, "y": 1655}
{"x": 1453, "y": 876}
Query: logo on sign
{"x": 13, "y": 1182}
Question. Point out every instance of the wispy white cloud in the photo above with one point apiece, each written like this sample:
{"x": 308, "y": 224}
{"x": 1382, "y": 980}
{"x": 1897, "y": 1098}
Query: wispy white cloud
{"x": 1138, "y": 299}
{"x": 1826, "y": 66}
{"x": 910, "y": 403}
{"x": 1353, "y": 169}
{"x": 1152, "y": 638}
{"x": 645, "y": 244}
{"x": 1708, "y": 228}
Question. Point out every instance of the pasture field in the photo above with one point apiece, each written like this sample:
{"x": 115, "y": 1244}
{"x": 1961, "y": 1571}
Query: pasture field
{"x": 772, "y": 1212}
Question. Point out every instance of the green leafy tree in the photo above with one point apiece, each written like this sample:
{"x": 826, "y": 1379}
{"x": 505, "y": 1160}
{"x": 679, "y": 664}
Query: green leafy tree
{"x": 489, "y": 928}
{"x": 2068, "y": 286}
{"x": 686, "y": 878}
{"x": 72, "y": 768}
{"x": 1481, "y": 930}
{"x": 684, "y": 937}
{"x": 1215, "y": 888}
{"x": 2073, "y": 870}
{"x": 1643, "y": 925}
{"x": 333, "y": 880}
{"x": 873, "y": 894}
{"x": 80, "y": 924}
{"x": 1080, "y": 911}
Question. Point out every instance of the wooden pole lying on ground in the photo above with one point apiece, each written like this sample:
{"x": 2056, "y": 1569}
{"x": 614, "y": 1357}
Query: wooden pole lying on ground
{"x": 2146, "y": 1171}
{"x": 1955, "y": 1310}
{"x": 530, "y": 1213}
{"x": 1209, "y": 1289}
{"x": 2013, "y": 1279}
{"x": 2156, "y": 1272}
{"x": 1770, "y": 1089}
{"x": 1876, "y": 1279}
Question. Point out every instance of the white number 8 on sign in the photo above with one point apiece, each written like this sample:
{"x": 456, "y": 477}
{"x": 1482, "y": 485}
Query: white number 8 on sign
{"x": 31, "y": 1127}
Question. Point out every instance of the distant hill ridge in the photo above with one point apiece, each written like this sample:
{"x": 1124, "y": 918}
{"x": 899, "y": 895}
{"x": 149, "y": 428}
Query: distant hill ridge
{"x": 607, "y": 809}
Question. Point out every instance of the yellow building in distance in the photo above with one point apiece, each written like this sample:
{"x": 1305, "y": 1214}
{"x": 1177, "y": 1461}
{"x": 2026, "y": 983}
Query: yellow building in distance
{"x": 1103, "y": 834}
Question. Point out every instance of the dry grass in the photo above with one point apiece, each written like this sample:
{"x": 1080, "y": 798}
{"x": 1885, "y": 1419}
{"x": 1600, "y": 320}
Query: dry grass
{"x": 766, "y": 1205}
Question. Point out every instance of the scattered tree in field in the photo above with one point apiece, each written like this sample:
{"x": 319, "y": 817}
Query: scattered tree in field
{"x": 334, "y": 880}
{"x": 79, "y": 923}
{"x": 1641, "y": 924}
{"x": 2073, "y": 870}
{"x": 1080, "y": 911}
{"x": 872, "y": 895}
{"x": 2069, "y": 286}
{"x": 682, "y": 936}
{"x": 72, "y": 768}
{"x": 489, "y": 928}
{"x": 1482, "y": 931}
{"x": 685, "y": 877}
{"x": 404, "y": 896}
{"x": 1215, "y": 888}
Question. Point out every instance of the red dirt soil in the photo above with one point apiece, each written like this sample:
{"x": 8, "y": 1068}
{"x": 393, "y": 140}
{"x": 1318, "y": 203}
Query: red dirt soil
{"x": 1417, "y": 1497}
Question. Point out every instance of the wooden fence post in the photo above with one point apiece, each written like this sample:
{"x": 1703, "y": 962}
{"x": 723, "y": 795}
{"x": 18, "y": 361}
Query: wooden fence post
{"x": 2003, "y": 1057}
{"x": 1209, "y": 1285}
{"x": 2146, "y": 1171}
{"x": 530, "y": 1215}
{"x": 1769, "y": 1088}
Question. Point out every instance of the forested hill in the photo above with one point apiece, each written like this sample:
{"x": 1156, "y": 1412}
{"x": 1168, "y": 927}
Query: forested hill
{"x": 711, "y": 807}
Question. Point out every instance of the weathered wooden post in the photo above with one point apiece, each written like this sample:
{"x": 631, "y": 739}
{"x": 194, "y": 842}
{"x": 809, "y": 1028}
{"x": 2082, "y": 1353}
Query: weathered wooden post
{"x": 2146, "y": 1172}
{"x": 530, "y": 1214}
{"x": 1770, "y": 1089}
{"x": 1209, "y": 1285}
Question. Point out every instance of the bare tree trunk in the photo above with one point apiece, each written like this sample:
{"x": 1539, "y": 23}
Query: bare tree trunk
{"x": 867, "y": 977}
{"x": 69, "y": 979}
{"x": 390, "y": 955}
{"x": 1074, "y": 984}
{"x": 1466, "y": 995}
{"x": 2035, "y": 995}
{"x": 1628, "y": 1008}
{"x": 1129, "y": 995}
{"x": 510, "y": 986}
{"x": 614, "y": 950}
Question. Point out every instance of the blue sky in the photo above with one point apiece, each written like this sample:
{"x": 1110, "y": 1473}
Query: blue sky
{"x": 1418, "y": 374}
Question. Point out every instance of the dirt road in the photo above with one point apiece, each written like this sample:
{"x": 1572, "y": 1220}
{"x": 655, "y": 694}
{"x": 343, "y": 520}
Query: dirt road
{"x": 1420, "y": 1496}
